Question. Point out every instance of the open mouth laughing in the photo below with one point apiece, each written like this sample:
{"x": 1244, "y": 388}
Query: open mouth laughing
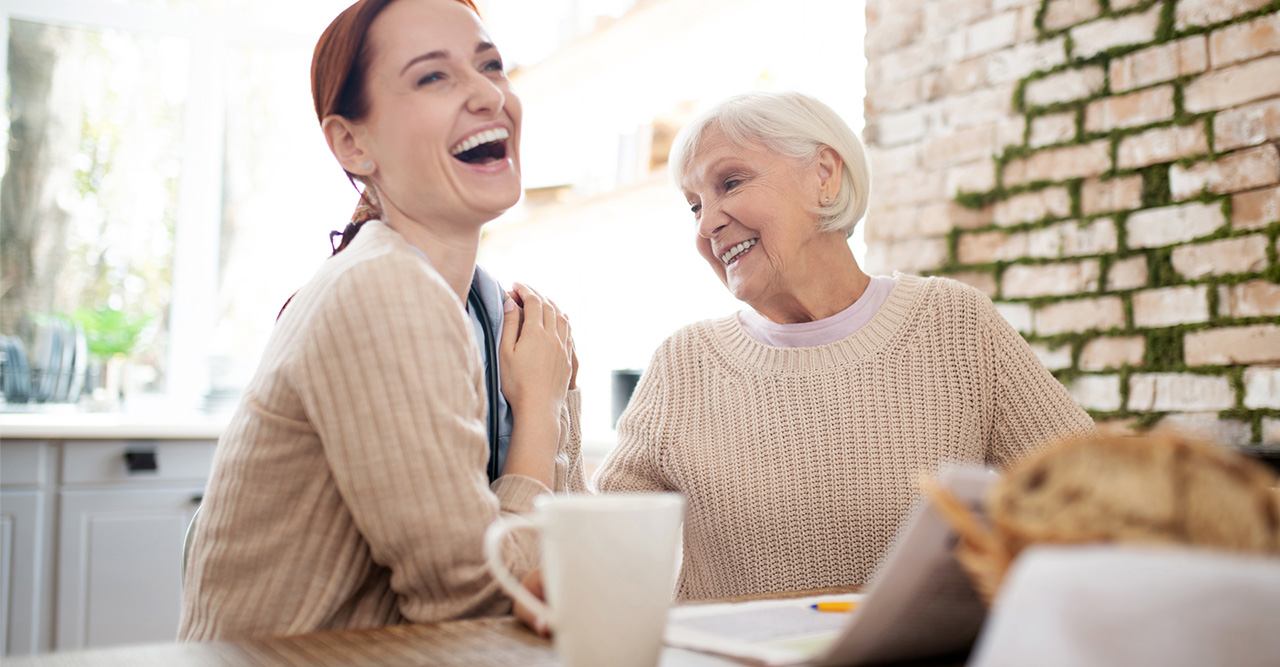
{"x": 482, "y": 147}
{"x": 736, "y": 252}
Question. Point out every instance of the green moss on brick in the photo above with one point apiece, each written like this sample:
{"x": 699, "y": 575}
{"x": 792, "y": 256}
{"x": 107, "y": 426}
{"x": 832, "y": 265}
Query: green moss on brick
{"x": 1155, "y": 186}
{"x": 1163, "y": 352}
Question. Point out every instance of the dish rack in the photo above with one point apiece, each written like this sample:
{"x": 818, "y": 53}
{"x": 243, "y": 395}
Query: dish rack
{"x": 55, "y": 368}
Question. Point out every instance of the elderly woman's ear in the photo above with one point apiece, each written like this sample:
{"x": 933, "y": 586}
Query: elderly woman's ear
{"x": 830, "y": 173}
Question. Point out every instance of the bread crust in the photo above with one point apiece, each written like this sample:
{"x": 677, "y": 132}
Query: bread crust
{"x": 1163, "y": 488}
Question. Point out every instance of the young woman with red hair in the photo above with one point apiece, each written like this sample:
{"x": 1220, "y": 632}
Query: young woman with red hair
{"x": 353, "y": 485}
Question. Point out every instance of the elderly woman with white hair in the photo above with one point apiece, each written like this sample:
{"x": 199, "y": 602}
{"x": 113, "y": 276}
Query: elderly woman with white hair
{"x": 798, "y": 428}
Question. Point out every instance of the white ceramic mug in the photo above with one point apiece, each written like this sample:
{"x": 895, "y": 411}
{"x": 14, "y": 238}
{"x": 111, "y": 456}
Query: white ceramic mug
{"x": 608, "y": 571}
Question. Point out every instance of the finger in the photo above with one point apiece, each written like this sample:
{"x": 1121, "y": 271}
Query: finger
{"x": 533, "y": 306}
{"x": 511, "y": 314}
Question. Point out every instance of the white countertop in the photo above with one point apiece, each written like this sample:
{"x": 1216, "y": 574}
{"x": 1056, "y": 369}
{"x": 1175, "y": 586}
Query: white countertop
{"x": 71, "y": 425}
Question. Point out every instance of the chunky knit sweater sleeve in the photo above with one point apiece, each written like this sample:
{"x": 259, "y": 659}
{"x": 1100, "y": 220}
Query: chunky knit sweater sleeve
{"x": 1031, "y": 407}
{"x": 349, "y": 488}
{"x": 633, "y": 463}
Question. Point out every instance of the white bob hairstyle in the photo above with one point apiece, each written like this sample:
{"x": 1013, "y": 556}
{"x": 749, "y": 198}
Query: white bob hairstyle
{"x": 793, "y": 125}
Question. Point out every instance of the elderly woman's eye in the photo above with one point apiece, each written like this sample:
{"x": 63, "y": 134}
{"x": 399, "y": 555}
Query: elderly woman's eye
{"x": 695, "y": 208}
{"x": 731, "y": 184}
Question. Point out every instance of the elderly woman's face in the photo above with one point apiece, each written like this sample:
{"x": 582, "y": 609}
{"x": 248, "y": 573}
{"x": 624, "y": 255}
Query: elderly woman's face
{"x": 754, "y": 212}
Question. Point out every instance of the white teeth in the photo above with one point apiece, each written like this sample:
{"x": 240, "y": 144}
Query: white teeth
{"x": 737, "y": 250}
{"x": 496, "y": 134}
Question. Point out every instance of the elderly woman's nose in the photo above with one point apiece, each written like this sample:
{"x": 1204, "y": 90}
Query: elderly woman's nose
{"x": 711, "y": 222}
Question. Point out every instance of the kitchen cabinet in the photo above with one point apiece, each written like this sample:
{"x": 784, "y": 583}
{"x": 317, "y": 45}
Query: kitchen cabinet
{"x": 91, "y": 535}
{"x": 26, "y": 476}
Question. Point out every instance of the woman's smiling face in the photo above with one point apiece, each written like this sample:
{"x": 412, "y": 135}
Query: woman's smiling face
{"x": 755, "y": 213}
{"x": 444, "y": 125}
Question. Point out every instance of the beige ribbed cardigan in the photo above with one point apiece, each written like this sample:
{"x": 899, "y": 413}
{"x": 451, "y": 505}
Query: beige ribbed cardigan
{"x": 798, "y": 465}
{"x": 349, "y": 489}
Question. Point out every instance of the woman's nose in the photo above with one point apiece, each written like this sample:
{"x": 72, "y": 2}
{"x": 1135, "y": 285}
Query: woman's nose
{"x": 711, "y": 221}
{"x": 486, "y": 97}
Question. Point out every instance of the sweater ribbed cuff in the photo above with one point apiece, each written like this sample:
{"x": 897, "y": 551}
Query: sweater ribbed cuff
{"x": 516, "y": 492}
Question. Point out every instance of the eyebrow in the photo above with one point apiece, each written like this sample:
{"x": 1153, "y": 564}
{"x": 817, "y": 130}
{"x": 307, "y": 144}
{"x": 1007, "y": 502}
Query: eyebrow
{"x": 435, "y": 55}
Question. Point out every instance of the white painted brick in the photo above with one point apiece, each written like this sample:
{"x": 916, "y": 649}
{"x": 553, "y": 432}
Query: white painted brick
{"x": 1065, "y": 86}
{"x": 1232, "y": 345}
{"x": 1209, "y": 427}
{"x": 1223, "y": 89}
{"x": 1270, "y": 431}
{"x": 1173, "y": 224}
{"x": 1053, "y": 358}
{"x": 1190, "y": 13}
{"x": 1021, "y": 281}
{"x": 986, "y": 106}
{"x": 1159, "y": 63}
{"x": 1107, "y": 353}
{"x": 1070, "y": 239}
{"x": 1097, "y": 392}
{"x": 898, "y": 128}
{"x": 1256, "y": 298}
{"x": 976, "y": 176}
{"x": 1126, "y": 274}
{"x": 1169, "y": 392}
{"x": 894, "y": 160}
{"x": 1256, "y": 209}
{"x": 1020, "y": 60}
{"x": 1244, "y": 41}
{"x": 1246, "y": 254}
{"x": 1098, "y": 36}
{"x": 983, "y": 280}
{"x": 994, "y": 33}
{"x": 1142, "y": 107}
{"x": 1061, "y": 14}
{"x": 1101, "y": 314}
{"x": 1017, "y": 315}
{"x": 1164, "y": 144}
{"x": 1116, "y": 194}
{"x": 1241, "y": 170}
{"x": 1261, "y": 387}
{"x": 1052, "y": 129}
{"x": 1171, "y": 305}
{"x": 1032, "y": 206}
{"x": 1248, "y": 125}
{"x": 1059, "y": 164}
{"x": 983, "y": 247}
{"x": 913, "y": 255}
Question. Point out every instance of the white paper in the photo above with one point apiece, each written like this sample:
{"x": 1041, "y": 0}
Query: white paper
{"x": 919, "y": 604}
{"x": 1106, "y": 606}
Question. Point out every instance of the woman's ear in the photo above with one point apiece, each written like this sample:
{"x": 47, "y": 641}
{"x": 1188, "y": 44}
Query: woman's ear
{"x": 830, "y": 173}
{"x": 347, "y": 141}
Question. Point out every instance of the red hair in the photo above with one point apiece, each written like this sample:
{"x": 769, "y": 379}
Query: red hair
{"x": 338, "y": 70}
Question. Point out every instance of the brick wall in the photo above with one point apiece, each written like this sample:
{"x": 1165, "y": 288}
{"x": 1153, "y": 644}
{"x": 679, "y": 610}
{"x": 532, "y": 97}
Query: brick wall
{"x": 1107, "y": 171}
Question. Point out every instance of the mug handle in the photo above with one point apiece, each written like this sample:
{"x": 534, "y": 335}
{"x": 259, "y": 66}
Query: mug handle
{"x": 493, "y": 538}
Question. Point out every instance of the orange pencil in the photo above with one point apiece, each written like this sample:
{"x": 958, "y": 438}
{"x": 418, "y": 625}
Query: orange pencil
{"x": 834, "y": 606}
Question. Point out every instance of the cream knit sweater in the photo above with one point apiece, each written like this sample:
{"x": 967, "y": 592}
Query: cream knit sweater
{"x": 349, "y": 489}
{"x": 799, "y": 464}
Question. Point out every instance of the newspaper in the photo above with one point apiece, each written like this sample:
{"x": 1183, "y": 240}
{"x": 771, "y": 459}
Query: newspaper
{"x": 920, "y": 604}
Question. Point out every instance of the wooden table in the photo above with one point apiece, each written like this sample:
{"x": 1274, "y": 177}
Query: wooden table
{"x": 481, "y": 642}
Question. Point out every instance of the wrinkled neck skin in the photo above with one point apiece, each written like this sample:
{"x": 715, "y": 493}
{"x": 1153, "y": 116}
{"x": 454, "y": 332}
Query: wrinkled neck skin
{"x": 829, "y": 281}
{"x": 450, "y": 247}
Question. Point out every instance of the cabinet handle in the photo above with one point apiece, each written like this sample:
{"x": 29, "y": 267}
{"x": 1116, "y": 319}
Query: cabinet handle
{"x": 141, "y": 460}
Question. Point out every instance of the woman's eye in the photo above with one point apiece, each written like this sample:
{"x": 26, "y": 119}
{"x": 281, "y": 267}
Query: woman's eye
{"x": 695, "y": 208}
{"x": 431, "y": 78}
{"x": 731, "y": 184}
{"x": 493, "y": 66}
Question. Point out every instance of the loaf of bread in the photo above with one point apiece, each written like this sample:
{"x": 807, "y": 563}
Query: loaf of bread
{"x": 1155, "y": 489}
